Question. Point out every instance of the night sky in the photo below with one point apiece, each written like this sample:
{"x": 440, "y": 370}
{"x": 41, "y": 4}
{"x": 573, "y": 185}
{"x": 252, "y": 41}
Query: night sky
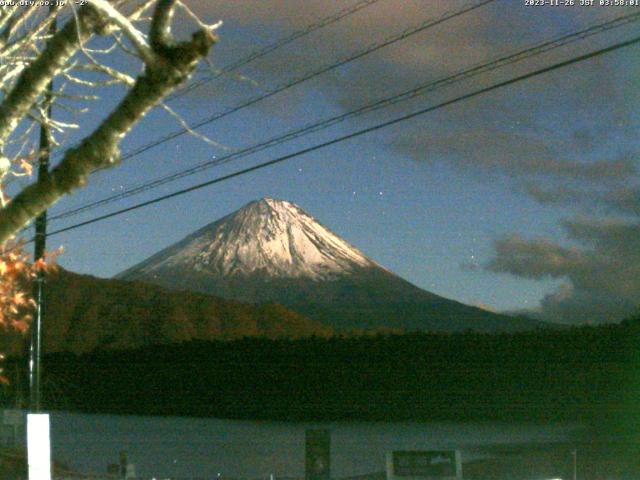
{"x": 525, "y": 198}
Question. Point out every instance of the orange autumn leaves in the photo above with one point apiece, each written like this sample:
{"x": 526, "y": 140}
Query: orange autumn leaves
{"x": 14, "y": 301}
{"x": 16, "y": 272}
{"x": 16, "y": 276}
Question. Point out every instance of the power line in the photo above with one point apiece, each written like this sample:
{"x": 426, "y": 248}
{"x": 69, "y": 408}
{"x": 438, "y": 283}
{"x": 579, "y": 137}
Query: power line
{"x": 276, "y": 45}
{"x": 370, "y": 49}
{"x": 358, "y": 133}
{"x": 536, "y": 49}
{"x": 366, "y": 51}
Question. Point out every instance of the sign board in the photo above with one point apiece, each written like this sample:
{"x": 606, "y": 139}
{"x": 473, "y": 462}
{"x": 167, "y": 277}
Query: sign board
{"x": 424, "y": 465}
{"x": 38, "y": 446}
{"x": 317, "y": 464}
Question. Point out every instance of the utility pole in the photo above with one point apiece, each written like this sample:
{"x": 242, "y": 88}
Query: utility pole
{"x": 38, "y": 424}
{"x": 575, "y": 463}
{"x": 35, "y": 350}
{"x": 35, "y": 369}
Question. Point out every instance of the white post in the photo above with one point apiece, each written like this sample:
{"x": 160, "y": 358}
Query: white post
{"x": 38, "y": 446}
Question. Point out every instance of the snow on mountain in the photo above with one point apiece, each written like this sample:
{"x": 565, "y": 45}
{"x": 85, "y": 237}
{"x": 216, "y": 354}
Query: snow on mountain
{"x": 274, "y": 238}
{"x": 271, "y": 251}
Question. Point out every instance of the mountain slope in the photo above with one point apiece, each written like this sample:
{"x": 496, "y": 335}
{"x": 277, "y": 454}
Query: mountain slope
{"x": 272, "y": 251}
{"x": 85, "y": 313}
{"x": 268, "y": 237}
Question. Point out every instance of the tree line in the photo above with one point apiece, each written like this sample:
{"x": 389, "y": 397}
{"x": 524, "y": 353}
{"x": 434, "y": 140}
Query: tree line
{"x": 585, "y": 374}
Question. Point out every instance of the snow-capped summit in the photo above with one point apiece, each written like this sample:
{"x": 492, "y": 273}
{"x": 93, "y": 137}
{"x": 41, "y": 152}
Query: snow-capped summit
{"x": 271, "y": 251}
{"x": 274, "y": 238}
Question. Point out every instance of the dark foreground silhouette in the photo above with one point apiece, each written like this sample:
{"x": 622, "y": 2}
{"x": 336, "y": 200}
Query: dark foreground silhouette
{"x": 587, "y": 374}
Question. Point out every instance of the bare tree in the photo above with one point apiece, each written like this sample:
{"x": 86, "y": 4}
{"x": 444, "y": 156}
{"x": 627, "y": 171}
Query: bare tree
{"x": 32, "y": 55}
{"x": 30, "y": 61}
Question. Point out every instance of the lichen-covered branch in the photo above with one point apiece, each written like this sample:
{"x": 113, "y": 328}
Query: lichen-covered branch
{"x": 133, "y": 34}
{"x": 160, "y": 31}
{"x": 172, "y": 65}
{"x": 35, "y": 78}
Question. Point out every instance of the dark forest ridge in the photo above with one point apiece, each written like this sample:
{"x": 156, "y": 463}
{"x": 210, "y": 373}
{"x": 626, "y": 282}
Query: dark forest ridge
{"x": 86, "y": 314}
{"x": 586, "y": 374}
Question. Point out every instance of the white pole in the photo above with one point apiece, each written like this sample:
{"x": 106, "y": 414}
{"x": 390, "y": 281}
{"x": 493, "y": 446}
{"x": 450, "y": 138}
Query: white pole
{"x": 38, "y": 446}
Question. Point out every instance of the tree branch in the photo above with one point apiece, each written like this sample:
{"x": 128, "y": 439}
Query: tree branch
{"x": 160, "y": 30}
{"x": 173, "y": 66}
{"x": 133, "y": 34}
{"x": 34, "y": 79}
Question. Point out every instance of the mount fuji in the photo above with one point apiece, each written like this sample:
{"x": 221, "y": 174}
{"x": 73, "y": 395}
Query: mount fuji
{"x": 272, "y": 251}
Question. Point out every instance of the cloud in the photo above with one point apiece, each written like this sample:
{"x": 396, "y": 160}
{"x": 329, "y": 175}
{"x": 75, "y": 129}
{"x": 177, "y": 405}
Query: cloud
{"x": 535, "y": 259}
{"x": 501, "y": 148}
{"x": 588, "y": 163}
{"x": 565, "y": 139}
{"x": 485, "y": 33}
{"x": 442, "y": 49}
{"x": 602, "y": 275}
{"x": 625, "y": 199}
{"x": 620, "y": 199}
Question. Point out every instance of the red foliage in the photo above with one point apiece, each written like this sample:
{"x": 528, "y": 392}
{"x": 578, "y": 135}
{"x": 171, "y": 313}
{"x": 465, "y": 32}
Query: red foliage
{"x": 16, "y": 276}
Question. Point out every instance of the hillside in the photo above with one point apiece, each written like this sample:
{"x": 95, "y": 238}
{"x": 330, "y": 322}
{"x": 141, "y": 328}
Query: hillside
{"x": 86, "y": 313}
